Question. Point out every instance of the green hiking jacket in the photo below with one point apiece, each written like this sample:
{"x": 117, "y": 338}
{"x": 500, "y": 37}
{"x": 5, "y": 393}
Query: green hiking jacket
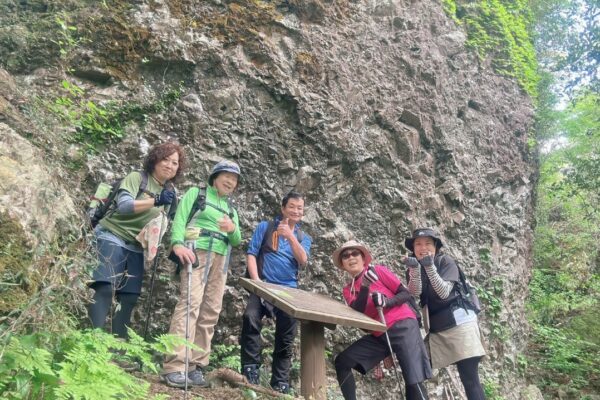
{"x": 207, "y": 219}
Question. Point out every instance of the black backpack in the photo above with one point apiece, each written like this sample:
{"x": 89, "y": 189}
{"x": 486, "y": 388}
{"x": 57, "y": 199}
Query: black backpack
{"x": 103, "y": 199}
{"x": 199, "y": 206}
{"x": 468, "y": 293}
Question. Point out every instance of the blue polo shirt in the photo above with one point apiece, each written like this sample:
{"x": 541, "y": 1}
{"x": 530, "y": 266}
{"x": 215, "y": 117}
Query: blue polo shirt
{"x": 279, "y": 267}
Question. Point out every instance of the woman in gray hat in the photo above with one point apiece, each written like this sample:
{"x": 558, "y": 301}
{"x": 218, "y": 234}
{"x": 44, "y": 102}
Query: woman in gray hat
{"x": 454, "y": 336}
{"x": 202, "y": 237}
{"x": 372, "y": 287}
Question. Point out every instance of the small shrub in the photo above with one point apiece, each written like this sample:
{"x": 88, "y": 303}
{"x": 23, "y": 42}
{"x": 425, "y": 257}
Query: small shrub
{"x": 225, "y": 356}
{"x": 492, "y": 390}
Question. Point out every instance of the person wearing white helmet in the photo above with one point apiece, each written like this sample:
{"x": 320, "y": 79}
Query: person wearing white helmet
{"x": 454, "y": 336}
{"x": 202, "y": 236}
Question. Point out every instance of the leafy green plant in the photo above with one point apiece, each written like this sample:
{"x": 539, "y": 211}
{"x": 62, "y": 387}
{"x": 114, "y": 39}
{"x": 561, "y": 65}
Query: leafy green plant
{"x": 225, "y": 356}
{"x": 485, "y": 256}
{"x": 500, "y": 29}
{"x": 67, "y": 39}
{"x": 565, "y": 287}
{"x": 522, "y": 364}
{"x": 567, "y": 356}
{"x": 450, "y": 9}
{"x": 492, "y": 390}
{"x": 491, "y": 296}
{"x": 96, "y": 125}
{"x": 76, "y": 365}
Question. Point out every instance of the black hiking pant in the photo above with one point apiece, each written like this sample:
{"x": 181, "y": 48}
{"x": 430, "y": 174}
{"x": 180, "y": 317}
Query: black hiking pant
{"x": 364, "y": 354}
{"x": 285, "y": 333}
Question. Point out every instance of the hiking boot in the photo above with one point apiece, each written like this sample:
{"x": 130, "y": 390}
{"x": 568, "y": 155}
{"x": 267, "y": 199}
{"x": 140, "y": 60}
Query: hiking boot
{"x": 196, "y": 378}
{"x": 281, "y": 387}
{"x": 175, "y": 379}
{"x": 252, "y": 373}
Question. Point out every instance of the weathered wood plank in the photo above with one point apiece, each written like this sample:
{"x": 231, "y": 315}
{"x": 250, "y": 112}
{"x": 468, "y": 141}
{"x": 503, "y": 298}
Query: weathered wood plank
{"x": 309, "y": 306}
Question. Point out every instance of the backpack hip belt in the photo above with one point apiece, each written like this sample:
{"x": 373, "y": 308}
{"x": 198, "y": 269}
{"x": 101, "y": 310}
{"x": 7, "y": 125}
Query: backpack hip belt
{"x": 214, "y": 235}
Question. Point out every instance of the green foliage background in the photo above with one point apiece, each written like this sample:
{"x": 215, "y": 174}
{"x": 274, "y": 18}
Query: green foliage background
{"x": 551, "y": 47}
{"x": 565, "y": 289}
{"x": 500, "y": 30}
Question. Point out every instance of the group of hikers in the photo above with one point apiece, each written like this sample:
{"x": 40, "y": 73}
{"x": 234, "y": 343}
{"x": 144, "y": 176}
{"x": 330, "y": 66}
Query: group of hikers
{"x": 204, "y": 229}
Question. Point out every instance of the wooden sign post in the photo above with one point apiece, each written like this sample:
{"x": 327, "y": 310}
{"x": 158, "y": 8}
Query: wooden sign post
{"x": 315, "y": 311}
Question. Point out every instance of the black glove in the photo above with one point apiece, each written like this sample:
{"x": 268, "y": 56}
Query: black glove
{"x": 426, "y": 261}
{"x": 410, "y": 262}
{"x": 166, "y": 196}
{"x": 370, "y": 277}
{"x": 378, "y": 299}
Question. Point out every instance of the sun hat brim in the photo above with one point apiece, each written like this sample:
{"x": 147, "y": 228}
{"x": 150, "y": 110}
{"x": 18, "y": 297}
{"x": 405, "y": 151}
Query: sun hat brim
{"x": 351, "y": 244}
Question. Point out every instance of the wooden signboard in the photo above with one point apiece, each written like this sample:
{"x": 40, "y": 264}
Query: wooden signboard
{"x": 314, "y": 311}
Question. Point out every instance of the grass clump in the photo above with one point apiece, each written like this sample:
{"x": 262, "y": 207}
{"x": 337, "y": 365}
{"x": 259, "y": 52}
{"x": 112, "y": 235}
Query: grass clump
{"x": 17, "y": 279}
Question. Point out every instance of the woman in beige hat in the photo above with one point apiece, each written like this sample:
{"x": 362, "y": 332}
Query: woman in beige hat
{"x": 454, "y": 336}
{"x": 377, "y": 283}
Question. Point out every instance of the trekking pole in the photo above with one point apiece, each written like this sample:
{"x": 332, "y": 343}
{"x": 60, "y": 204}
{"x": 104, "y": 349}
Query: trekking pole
{"x": 149, "y": 305}
{"x": 189, "y": 245}
{"x": 379, "y": 307}
{"x": 152, "y": 280}
{"x": 387, "y": 339}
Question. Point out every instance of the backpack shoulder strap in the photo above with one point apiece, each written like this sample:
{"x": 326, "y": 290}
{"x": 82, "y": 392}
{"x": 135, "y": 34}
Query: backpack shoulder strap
{"x": 300, "y": 235}
{"x": 231, "y": 208}
{"x": 199, "y": 203}
{"x": 144, "y": 183}
{"x": 264, "y": 244}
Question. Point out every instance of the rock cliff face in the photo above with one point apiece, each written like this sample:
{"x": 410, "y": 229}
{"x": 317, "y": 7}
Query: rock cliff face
{"x": 375, "y": 109}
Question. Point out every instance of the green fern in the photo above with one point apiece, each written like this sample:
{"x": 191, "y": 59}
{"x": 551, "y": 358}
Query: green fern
{"x": 78, "y": 365}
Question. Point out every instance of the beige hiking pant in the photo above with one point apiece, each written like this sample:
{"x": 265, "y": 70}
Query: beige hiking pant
{"x": 205, "y": 306}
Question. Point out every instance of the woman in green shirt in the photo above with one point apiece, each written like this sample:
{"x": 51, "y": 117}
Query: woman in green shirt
{"x": 121, "y": 258}
{"x": 203, "y": 240}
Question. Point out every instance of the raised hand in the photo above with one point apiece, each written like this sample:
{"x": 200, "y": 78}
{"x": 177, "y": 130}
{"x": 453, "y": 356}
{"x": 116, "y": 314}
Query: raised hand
{"x": 410, "y": 262}
{"x": 378, "y": 299}
{"x": 165, "y": 197}
{"x": 226, "y": 224}
{"x": 283, "y": 229}
{"x": 426, "y": 261}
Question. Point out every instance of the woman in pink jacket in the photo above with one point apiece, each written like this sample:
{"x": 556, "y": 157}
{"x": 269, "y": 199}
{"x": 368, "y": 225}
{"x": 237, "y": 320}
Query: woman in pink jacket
{"x": 377, "y": 283}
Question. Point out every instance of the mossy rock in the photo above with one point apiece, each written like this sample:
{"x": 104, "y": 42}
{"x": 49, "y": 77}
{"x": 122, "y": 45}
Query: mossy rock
{"x": 17, "y": 281}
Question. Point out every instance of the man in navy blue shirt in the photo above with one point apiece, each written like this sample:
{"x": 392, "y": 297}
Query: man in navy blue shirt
{"x": 276, "y": 252}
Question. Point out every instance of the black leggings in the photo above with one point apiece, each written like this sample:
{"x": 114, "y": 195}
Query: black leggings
{"x": 99, "y": 309}
{"x": 469, "y": 376}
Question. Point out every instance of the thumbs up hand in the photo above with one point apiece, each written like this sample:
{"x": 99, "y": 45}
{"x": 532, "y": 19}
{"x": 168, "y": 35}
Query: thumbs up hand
{"x": 284, "y": 230}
